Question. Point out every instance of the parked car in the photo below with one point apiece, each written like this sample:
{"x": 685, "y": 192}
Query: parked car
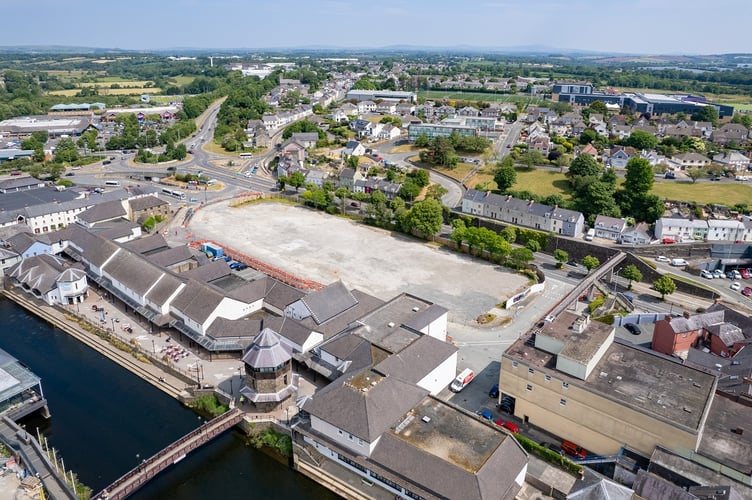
{"x": 678, "y": 262}
{"x": 633, "y": 328}
{"x": 573, "y": 449}
{"x": 718, "y": 274}
{"x": 572, "y": 262}
{"x": 494, "y": 391}
{"x": 553, "y": 447}
{"x": 486, "y": 414}
{"x": 736, "y": 285}
{"x": 747, "y": 291}
{"x": 510, "y": 426}
{"x": 662, "y": 258}
{"x": 730, "y": 274}
{"x": 706, "y": 274}
{"x": 744, "y": 273}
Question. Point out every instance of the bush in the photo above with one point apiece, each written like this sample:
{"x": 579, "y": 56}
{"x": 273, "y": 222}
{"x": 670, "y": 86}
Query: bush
{"x": 209, "y": 404}
{"x": 549, "y": 456}
{"x": 596, "y": 303}
{"x": 606, "y": 318}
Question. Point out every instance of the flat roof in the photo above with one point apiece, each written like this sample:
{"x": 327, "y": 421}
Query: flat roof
{"x": 445, "y": 432}
{"x": 577, "y": 346}
{"x": 635, "y": 377}
{"x": 17, "y": 200}
{"x": 720, "y": 442}
{"x": 14, "y": 377}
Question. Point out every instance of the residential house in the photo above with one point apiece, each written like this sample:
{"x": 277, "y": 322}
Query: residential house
{"x": 684, "y": 161}
{"x": 468, "y": 111}
{"x": 675, "y": 336}
{"x": 287, "y": 165}
{"x": 348, "y": 177}
{"x": 366, "y": 107}
{"x": 7, "y": 258}
{"x": 21, "y": 183}
{"x": 353, "y": 148}
{"x": 361, "y": 127}
{"x": 349, "y": 109}
{"x": 589, "y": 149}
{"x": 305, "y": 139}
{"x": 540, "y": 143}
{"x": 577, "y": 128}
{"x": 730, "y": 133}
{"x": 679, "y": 230}
{"x": 338, "y": 116}
{"x": 726, "y": 230}
{"x": 636, "y": 235}
{"x": 390, "y": 189}
{"x": 294, "y": 149}
{"x": 609, "y": 228}
{"x": 523, "y": 213}
{"x": 617, "y": 157}
{"x": 621, "y": 131}
{"x": 389, "y": 132}
{"x": 386, "y": 107}
{"x": 732, "y": 160}
{"x": 316, "y": 177}
{"x": 405, "y": 108}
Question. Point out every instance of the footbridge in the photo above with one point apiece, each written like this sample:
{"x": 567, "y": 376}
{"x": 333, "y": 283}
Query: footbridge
{"x": 172, "y": 454}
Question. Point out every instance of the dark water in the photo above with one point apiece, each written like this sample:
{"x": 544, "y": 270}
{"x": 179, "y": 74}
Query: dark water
{"x": 104, "y": 419}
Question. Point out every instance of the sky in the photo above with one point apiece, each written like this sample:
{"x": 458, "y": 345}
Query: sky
{"x": 620, "y": 26}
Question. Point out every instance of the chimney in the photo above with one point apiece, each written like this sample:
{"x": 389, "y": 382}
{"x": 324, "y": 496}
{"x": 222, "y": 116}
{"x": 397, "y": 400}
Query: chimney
{"x": 686, "y": 314}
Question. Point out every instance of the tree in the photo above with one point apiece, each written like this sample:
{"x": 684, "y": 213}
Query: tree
{"x": 639, "y": 139}
{"x": 588, "y": 136}
{"x": 436, "y": 191}
{"x": 561, "y": 257}
{"x": 533, "y": 245}
{"x": 632, "y": 274}
{"x": 509, "y": 233}
{"x": 342, "y": 193}
{"x": 598, "y": 107}
{"x": 639, "y": 177}
{"x": 696, "y": 173}
{"x": 426, "y": 216}
{"x": 665, "y": 286}
{"x": 65, "y": 152}
{"x": 532, "y": 157}
{"x": 282, "y": 181}
{"x": 584, "y": 166}
{"x": 505, "y": 177}
{"x": 522, "y": 256}
{"x": 706, "y": 114}
{"x": 296, "y": 180}
{"x": 590, "y": 262}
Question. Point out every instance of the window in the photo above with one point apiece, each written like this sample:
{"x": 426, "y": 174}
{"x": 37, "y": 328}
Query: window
{"x": 548, "y": 378}
{"x": 339, "y": 431}
{"x": 565, "y": 385}
{"x": 531, "y": 371}
{"x": 529, "y": 388}
{"x": 563, "y": 402}
{"x": 515, "y": 364}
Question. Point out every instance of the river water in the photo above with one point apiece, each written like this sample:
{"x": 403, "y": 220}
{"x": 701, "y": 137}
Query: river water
{"x": 105, "y": 420}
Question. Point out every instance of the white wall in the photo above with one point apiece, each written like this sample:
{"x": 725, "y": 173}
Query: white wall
{"x": 297, "y": 310}
{"x": 342, "y": 438}
{"x": 437, "y": 328}
{"x": 548, "y": 344}
{"x": 72, "y": 288}
{"x": 441, "y": 376}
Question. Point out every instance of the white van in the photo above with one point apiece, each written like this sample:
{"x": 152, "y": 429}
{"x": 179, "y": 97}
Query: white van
{"x": 464, "y": 378}
{"x": 679, "y": 262}
{"x": 590, "y": 235}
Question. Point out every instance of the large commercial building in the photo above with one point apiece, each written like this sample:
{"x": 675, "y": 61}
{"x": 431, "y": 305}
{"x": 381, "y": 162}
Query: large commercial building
{"x": 54, "y": 125}
{"x": 433, "y": 130}
{"x": 658, "y": 104}
{"x": 573, "y": 379}
{"x": 385, "y": 95}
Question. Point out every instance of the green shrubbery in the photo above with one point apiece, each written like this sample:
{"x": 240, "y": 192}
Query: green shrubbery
{"x": 548, "y": 455}
{"x": 209, "y": 404}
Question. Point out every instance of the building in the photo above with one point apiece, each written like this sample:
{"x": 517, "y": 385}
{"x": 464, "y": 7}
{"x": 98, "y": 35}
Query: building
{"x": 55, "y": 126}
{"x": 609, "y": 228}
{"x": 680, "y": 230}
{"x": 50, "y": 279}
{"x": 433, "y": 130}
{"x": 636, "y": 235}
{"x": 573, "y": 379}
{"x": 372, "y": 95}
{"x": 269, "y": 380}
{"x": 15, "y": 154}
{"x": 523, "y": 213}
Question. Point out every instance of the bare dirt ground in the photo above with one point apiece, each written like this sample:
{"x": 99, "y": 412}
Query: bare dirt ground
{"x": 327, "y": 248}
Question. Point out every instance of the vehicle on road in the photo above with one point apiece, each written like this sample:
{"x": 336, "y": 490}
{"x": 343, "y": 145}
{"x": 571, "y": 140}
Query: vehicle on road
{"x": 465, "y": 377}
{"x": 736, "y": 285}
{"x": 494, "y": 391}
{"x": 510, "y": 426}
{"x": 678, "y": 262}
{"x": 747, "y": 291}
{"x": 550, "y": 318}
{"x": 70, "y": 174}
{"x": 590, "y": 235}
{"x": 572, "y": 263}
{"x": 718, "y": 274}
{"x": 486, "y": 414}
{"x": 573, "y": 449}
{"x": 744, "y": 273}
{"x": 76, "y": 168}
{"x": 633, "y": 328}
{"x": 662, "y": 258}
{"x": 706, "y": 274}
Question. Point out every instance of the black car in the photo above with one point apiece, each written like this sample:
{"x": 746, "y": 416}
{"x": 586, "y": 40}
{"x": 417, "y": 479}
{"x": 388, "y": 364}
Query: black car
{"x": 494, "y": 392}
{"x": 70, "y": 174}
{"x": 572, "y": 263}
{"x": 632, "y": 328}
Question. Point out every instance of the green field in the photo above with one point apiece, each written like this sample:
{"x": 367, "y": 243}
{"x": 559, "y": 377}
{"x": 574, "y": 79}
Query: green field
{"x": 477, "y": 96}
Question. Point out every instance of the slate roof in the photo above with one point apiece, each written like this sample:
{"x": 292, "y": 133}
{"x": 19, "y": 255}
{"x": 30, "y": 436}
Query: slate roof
{"x": 197, "y": 301}
{"x": 365, "y": 304}
{"x": 328, "y": 302}
{"x": 90, "y": 247}
{"x": 728, "y": 334}
{"x": 289, "y": 328}
{"x": 267, "y": 351}
{"x": 146, "y": 203}
{"x": 249, "y": 292}
{"x": 417, "y": 360}
{"x": 164, "y": 289}
{"x": 39, "y": 272}
{"x": 424, "y": 318}
{"x": 133, "y": 272}
{"x": 147, "y": 244}
{"x": 602, "y": 490}
{"x": 696, "y": 321}
{"x": 364, "y": 404}
{"x": 238, "y": 328}
{"x": 209, "y": 272}
{"x": 103, "y": 212}
{"x": 21, "y": 242}
{"x": 170, "y": 256}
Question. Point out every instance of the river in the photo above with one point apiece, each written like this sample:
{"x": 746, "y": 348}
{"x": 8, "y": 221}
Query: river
{"x": 105, "y": 420}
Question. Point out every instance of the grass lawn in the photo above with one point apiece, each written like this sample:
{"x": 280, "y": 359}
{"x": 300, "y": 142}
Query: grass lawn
{"x": 543, "y": 182}
{"x": 213, "y": 147}
{"x": 106, "y": 91}
{"x": 182, "y": 79}
{"x": 705, "y": 192}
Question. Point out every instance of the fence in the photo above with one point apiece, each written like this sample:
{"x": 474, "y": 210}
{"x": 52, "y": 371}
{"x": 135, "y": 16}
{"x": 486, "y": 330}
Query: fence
{"x": 638, "y": 318}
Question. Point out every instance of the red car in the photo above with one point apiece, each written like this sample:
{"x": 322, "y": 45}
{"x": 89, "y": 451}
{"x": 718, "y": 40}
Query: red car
{"x": 511, "y": 427}
{"x": 573, "y": 449}
{"x": 747, "y": 291}
{"x": 745, "y": 274}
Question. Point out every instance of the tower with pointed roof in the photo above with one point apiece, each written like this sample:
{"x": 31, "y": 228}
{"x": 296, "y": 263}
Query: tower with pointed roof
{"x": 269, "y": 380}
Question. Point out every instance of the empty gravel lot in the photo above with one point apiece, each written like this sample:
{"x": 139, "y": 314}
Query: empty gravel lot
{"x": 326, "y": 248}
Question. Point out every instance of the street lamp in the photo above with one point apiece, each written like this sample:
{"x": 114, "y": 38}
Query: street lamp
{"x": 153, "y": 347}
{"x": 113, "y": 324}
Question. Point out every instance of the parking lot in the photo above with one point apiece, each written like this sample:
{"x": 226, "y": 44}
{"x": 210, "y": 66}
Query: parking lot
{"x": 323, "y": 248}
